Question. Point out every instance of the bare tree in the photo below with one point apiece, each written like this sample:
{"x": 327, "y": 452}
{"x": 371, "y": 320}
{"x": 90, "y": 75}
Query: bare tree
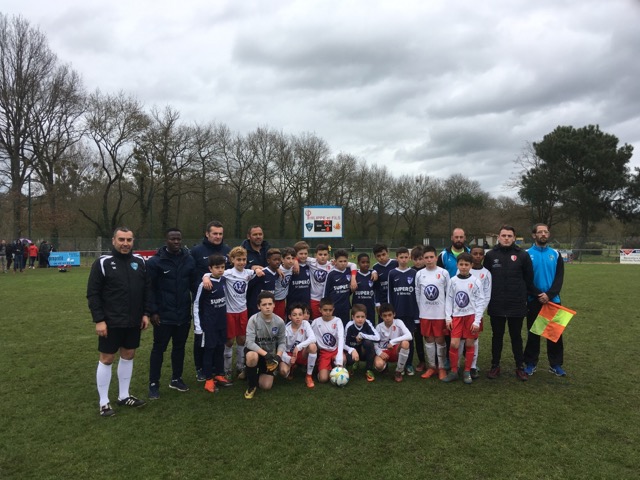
{"x": 26, "y": 62}
{"x": 114, "y": 123}
{"x": 207, "y": 152}
{"x": 284, "y": 178}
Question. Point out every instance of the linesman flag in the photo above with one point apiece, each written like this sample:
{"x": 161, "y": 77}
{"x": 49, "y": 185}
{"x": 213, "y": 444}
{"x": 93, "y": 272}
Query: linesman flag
{"x": 552, "y": 320}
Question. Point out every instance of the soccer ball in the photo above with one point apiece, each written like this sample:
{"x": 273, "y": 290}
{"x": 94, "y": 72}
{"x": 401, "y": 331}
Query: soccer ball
{"x": 339, "y": 376}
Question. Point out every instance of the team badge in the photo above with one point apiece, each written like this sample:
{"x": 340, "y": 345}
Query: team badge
{"x": 462, "y": 299}
{"x": 274, "y": 330}
{"x": 348, "y": 276}
{"x": 409, "y": 280}
{"x": 134, "y": 265}
{"x": 438, "y": 276}
{"x": 370, "y": 284}
{"x": 309, "y": 226}
{"x": 431, "y": 292}
{"x": 514, "y": 258}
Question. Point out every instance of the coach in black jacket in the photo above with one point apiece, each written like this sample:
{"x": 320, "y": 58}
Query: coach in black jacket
{"x": 512, "y": 281}
{"x": 172, "y": 271}
{"x": 119, "y": 295}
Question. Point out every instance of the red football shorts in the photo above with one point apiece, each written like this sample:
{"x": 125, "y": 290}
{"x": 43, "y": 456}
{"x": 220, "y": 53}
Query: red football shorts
{"x": 393, "y": 353}
{"x": 433, "y": 328}
{"x": 461, "y": 327}
{"x": 315, "y": 309}
{"x": 280, "y": 309}
{"x": 326, "y": 359}
{"x": 237, "y": 324}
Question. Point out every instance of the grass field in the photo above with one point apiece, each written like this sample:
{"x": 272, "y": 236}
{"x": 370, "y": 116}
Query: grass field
{"x": 586, "y": 425}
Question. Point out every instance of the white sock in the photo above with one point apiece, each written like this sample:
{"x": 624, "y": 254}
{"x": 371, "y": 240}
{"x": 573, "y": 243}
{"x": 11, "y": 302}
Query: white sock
{"x": 103, "y": 380}
{"x": 442, "y": 354}
{"x": 228, "y": 353}
{"x": 239, "y": 357}
{"x": 125, "y": 371}
{"x": 430, "y": 348}
{"x": 286, "y": 358}
{"x": 474, "y": 364}
{"x": 311, "y": 362}
{"x": 403, "y": 355}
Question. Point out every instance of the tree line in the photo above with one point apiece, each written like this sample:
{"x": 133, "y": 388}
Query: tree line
{"x": 73, "y": 161}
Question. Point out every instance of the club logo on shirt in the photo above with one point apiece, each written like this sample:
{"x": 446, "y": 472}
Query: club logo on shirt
{"x": 348, "y": 276}
{"x": 431, "y": 292}
{"x": 370, "y": 283}
{"x": 285, "y": 281}
{"x": 320, "y": 276}
{"x": 134, "y": 265}
{"x": 409, "y": 280}
{"x": 329, "y": 340}
{"x": 274, "y": 330}
{"x": 514, "y": 258}
{"x": 239, "y": 287}
{"x": 462, "y": 299}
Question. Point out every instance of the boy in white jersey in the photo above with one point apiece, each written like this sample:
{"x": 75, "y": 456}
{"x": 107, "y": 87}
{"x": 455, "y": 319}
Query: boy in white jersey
{"x": 265, "y": 345}
{"x": 394, "y": 341}
{"x": 464, "y": 308}
{"x": 432, "y": 283}
{"x": 301, "y": 348}
{"x": 237, "y": 279}
{"x": 484, "y": 276}
{"x": 329, "y": 332}
{"x": 282, "y": 283}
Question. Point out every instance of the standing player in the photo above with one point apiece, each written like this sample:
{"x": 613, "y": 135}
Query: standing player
{"x": 265, "y": 345}
{"x": 401, "y": 290}
{"x": 382, "y": 268}
{"x": 119, "y": 295}
{"x": 360, "y": 337}
{"x": 418, "y": 264}
{"x": 363, "y": 293}
{"x": 464, "y": 308}
{"x": 329, "y": 332}
{"x": 484, "y": 277}
{"x": 338, "y": 285}
{"x": 266, "y": 283}
{"x": 212, "y": 244}
{"x": 300, "y": 284}
{"x": 432, "y": 283}
{"x": 282, "y": 283}
{"x": 548, "y": 276}
{"x": 394, "y": 342}
{"x": 210, "y": 324}
{"x": 301, "y": 348}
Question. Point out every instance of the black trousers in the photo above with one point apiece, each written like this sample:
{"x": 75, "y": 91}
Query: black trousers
{"x": 161, "y": 336}
{"x": 498, "y": 325}
{"x": 555, "y": 350}
{"x": 366, "y": 352}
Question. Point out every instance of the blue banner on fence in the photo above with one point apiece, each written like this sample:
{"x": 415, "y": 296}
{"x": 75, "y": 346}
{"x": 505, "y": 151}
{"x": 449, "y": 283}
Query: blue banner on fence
{"x": 57, "y": 259}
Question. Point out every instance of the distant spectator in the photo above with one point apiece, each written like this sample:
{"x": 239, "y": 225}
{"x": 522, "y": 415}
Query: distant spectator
{"x": 3, "y": 256}
{"x": 33, "y": 255}
{"x": 9, "y": 255}
{"x": 45, "y": 249}
{"x": 18, "y": 256}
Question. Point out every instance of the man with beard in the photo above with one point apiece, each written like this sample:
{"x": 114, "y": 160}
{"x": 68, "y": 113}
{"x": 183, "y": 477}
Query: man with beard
{"x": 548, "y": 275}
{"x": 512, "y": 280}
{"x": 448, "y": 257}
{"x": 256, "y": 247}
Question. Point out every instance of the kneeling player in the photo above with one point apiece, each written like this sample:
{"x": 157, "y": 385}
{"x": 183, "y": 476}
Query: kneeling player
{"x": 264, "y": 346}
{"x": 359, "y": 339}
{"x": 329, "y": 332}
{"x": 464, "y": 308}
{"x": 301, "y": 348}
{"x": 394, "y": 341}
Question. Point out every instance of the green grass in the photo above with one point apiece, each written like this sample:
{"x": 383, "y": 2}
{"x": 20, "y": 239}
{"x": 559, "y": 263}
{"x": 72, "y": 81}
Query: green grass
{"x": 584, "y": 426}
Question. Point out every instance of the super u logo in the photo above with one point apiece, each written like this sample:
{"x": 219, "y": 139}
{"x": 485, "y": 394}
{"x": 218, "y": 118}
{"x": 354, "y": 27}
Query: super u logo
{"x": 431, "y": 292}
{"x": 462, "y": 299}
{"x": 329, "y": 340}
{"x": 239, "y": 287}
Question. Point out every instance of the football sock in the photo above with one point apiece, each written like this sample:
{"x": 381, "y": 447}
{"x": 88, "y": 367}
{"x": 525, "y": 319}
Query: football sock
{"x": 468, "y": 358}
{"x": 430, "y": 348}
{"x": 252, "y": 376}
{"x": 474, "y": 364}
{"x": 442, "y": 355}
{"x": 125, "y": 371}
{"x": 228, "y": 353}
{"x": 311, "y": 362}
{"x": 239, "y": 357}
{"x": 103, "y": 379}
{"x": 286, "y": 358}
{"x": 453, "y": 358}
{"x": 403, "y": 355}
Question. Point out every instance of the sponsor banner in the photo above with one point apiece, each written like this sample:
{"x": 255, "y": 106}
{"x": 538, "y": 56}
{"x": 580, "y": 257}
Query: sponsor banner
{"x": 322, "y": 221}
{"x": 57, "y": 259}
{"x": 146, "y": 254}
{"x": 630, "y": 256}
{"x": 567, "y": 255}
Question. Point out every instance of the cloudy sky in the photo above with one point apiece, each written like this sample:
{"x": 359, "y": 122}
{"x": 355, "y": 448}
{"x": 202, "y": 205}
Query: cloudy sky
{"x": 432, "y": 86}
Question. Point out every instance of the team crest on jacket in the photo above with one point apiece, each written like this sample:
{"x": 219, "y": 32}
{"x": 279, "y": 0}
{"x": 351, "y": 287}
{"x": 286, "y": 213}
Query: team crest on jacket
{"x": 274, "y": 330}
{"x": 514, "y": 258}
{"x": 409, "y": 280}
{"x": 320, "y": 275}
{"x": 134, "y": 265}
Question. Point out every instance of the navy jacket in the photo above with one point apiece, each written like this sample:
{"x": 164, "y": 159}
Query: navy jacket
{"x": 256, "y": 258}
{"x": 172, "y": 280}
{"x": 201, "y": 252}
